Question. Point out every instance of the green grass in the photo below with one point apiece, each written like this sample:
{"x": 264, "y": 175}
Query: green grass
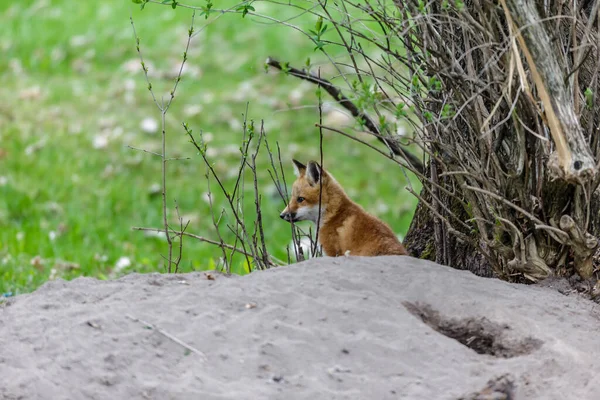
{"x": 71, "y": 189}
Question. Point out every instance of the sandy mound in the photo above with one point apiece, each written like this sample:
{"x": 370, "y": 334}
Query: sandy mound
{"x": 345, "y": 328}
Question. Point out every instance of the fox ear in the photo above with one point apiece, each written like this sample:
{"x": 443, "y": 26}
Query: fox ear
{"x": 314, "y": 173}
{"x": 299, "y": 168}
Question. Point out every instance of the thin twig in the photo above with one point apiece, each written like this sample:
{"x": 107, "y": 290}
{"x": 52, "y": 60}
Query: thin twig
{"x": 315, "y": 245}
{"x": 226, "y": 264}
{"x": 257, "y": 200}
{"x": 169, "y": 336}
{"x": 532, "y": 217}
{"x": 274, "y": 260}
{"x": 182, "y": 230}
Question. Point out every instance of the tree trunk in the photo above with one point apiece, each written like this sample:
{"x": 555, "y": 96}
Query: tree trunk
{"x": 421, "y": 242}
{"x": 519, "y": 159}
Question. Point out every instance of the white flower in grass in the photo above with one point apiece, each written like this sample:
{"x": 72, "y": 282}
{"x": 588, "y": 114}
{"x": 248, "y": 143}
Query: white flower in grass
{"x": 191, "y": 110}
{"x": 381, "y": 207}
{"x": 211, "y": 152}
{"x": 122, "y": 262}
{"x": 129, "y": 84}
{"x": 101, "y": 257}
{"x": 100, "y": 141}
{"x": 235, "y": 124}
{"x": 296, "y": 96}
{"x": 53, "y": 274}
{"x": 78, "y": 41}
{"x": 149, "y": 125}
{"x": 208, "y": 97}
{"x": 207, "y": 137}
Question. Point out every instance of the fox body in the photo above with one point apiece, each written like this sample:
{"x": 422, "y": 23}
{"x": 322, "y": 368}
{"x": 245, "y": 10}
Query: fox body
{"x": 344, "y": 225}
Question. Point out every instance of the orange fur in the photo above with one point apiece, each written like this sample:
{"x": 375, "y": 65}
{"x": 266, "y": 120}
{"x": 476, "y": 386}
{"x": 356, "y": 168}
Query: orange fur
{"x": 345, "y": 226}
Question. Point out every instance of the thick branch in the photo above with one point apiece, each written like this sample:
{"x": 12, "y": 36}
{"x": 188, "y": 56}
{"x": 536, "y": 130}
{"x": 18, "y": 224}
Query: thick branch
{"x": 573, "y": 159}
{"x": 584, "y": 246}
{"x": 353, "y": 109}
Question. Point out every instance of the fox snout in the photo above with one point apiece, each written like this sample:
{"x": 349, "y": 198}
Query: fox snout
{"x": 288, "y": 216}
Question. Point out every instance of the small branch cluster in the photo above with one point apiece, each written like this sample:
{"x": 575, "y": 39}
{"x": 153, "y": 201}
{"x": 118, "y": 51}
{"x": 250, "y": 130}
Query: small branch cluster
{"x": 252, "y": 244}
{"x": 172, "y": 265}
{"x": 251, "y": 241}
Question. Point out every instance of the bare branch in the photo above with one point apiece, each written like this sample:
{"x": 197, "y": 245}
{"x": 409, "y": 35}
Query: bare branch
{"x": 345, "y": 102}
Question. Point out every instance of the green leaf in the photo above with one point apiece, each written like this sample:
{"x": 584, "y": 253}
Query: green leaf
{"x": 319, "y": 24}
{"x": 382, "y": 121}
{"x": 319, "y": 46}
{"x": 589, "y": 98}
{"x": 415, "y": 81}
{"x": 448, "y": 111}
{"x": 245, "y": 8}
{"x": 206, "y": 9}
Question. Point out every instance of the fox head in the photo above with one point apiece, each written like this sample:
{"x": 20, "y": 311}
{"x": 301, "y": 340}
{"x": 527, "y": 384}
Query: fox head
{"x": 304, "y": 203}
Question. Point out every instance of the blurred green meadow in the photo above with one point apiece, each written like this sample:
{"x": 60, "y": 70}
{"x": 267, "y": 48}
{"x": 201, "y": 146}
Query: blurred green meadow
{"x": 73, "y": 101}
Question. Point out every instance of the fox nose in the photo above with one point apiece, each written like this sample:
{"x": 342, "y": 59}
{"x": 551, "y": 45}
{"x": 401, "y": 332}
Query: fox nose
{"x": 286, "y": 216}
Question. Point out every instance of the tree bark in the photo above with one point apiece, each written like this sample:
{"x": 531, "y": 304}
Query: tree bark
{"x": 573, "y": 160}
{"x": 420, "y": 242}
{"x": 531, "y": 203}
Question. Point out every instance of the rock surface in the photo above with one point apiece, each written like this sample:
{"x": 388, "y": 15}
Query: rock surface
{"x": 343, "y": 328}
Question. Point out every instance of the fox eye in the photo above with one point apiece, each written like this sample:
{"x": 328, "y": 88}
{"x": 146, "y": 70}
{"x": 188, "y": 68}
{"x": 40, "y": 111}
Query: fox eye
{"x": 300, "y": 199}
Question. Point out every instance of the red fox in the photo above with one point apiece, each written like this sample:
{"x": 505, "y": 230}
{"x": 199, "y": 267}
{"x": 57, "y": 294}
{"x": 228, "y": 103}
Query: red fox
{"x": 344, "y": 225}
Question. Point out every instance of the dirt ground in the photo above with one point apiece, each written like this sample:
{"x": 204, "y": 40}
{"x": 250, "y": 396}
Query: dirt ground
{"x": 331, "y": 328}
